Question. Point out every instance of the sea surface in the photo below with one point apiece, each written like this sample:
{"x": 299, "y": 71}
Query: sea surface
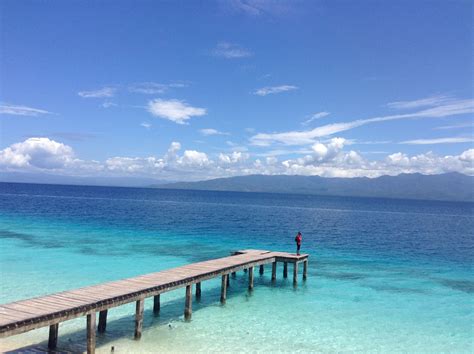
{"x": 384, "y": 275}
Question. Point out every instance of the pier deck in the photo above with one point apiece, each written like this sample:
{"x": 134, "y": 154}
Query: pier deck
{"x": 50, "y": 310}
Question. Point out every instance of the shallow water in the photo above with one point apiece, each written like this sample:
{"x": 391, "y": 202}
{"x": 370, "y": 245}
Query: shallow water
{"x": 384, "y": 275}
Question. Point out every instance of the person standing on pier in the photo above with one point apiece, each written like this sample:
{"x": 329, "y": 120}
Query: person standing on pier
{"x": 298, "y": 240}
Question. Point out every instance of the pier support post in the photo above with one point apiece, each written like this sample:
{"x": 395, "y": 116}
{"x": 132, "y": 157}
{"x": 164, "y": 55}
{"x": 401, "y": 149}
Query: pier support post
{"x": 233, "y": 274}
{"x": 295, "y": 273}
{"x": 91, "y": 333}
{"x": 198, "y": 291}
{"x": 225, "y": 278}
{"x": 53, "y": 336}
{"x": 102, "y": 321}
{"x": 188, "y": 305}
{"x": 305, "y": 269}
{"x": 251, "y": 278}
{"x": 139, "y": 318}
{"x": 262, "y": 269}
{"x": 285, "y": 269}
{"x": 274, "y": 271}
{"x": 245, "y": 270}
{"x": 156, "y": 304}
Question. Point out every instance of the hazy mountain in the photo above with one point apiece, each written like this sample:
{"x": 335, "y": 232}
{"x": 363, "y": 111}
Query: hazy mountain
{"x": 449, "y": 186}
{"x": 42, "y": 178}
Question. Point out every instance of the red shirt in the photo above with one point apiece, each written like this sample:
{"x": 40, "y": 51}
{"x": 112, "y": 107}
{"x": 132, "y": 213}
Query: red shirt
{"x": 298, "y": 239}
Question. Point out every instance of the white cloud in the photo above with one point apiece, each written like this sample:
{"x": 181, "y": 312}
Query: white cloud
{"x": 174, "y": 110}
{"x": 451, "y": 140}
{"x": 454, "y": 107}
{"x": 261, "y": 7}
{"x": 456, "y": 126}
{"x": 108, "y": 104}
{"x": 100, "y": 93}
{"x": 193, "y": 158}
{"x": 231, "y": 51}
{"x": 424, "y": 102}
{"x": 315, "y": 116}
{"x": 21, "y": 110}
{"x": 37, "y": 152}
{"x": 211, "y": 131}
{"x": 269, "y": 90}
{"x": 145, "y": 125}
{"x": 234, "y": 157}
{"x": 151, "y": 88}
{"x": 327, "y": 159}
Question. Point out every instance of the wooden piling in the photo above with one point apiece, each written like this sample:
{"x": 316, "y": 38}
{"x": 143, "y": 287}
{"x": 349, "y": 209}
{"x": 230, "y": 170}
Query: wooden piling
{"x": 295, "y": 273}
{"x": 156, "y": 304}
{"x": 91, "y": 333}
{"x": 198, "y": 291}
{"x": 305, "y": 269}
{"x": 245, "y": 270}
{"x": 225, "y": 278}
{"x": 262, "y": 269}
{"x": 102, "y": 321}
{"x": 274, "y": 271}
{"x": 251, "y": 278}
{"x": 139, "y": 318}
{"x": 228, "y": 280}
{"x": 285, "y": 269}
{"x": 53, "y": 336}
{"x": 188, "y": 305}
{"x": 234, "y": 274}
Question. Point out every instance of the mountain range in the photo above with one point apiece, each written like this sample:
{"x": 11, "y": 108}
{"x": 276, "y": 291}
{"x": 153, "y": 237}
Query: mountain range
{"x": 449, "y": 186}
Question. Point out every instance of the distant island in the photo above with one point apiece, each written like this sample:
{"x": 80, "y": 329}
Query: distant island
{"x": 448, "y": 187}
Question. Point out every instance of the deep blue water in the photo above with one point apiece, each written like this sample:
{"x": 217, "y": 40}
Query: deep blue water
{"x": 385, "y": 274}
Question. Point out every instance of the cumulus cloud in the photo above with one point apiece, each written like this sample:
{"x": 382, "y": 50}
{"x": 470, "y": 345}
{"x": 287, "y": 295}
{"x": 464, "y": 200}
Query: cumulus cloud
{"x": 177, "y": 111}
{"x": 270, "y": 90}
{"x": 100, "y": 93}
{"x": 193, "y": 158}
{"x": 231, "y": 51}
{"x": 211, "y": 131}
{"x": 145, "y": 125}
{"x": 234, "y": 157}
{"x": 452, "y": 108}
{"x": 21, "y": 110}
{"x": 37, "y": 152}
{"x": 325, "y": 158}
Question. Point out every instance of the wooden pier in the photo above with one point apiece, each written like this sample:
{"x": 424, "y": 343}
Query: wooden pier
{"x": 26, "y": 315}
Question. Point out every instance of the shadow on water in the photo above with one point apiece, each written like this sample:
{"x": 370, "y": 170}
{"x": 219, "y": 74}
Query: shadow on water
{"x": 171, "y": 316}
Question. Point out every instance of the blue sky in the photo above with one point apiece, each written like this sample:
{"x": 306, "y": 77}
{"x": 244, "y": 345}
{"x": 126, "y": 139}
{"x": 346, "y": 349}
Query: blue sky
{"x": 192, "y": 90}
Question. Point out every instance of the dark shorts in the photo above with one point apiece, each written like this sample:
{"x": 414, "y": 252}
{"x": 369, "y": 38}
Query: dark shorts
{"x": 298, "y": 247}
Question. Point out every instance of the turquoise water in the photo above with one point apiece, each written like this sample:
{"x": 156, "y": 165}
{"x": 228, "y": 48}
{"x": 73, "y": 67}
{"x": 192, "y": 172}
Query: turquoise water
{"x": 384, "y": 275}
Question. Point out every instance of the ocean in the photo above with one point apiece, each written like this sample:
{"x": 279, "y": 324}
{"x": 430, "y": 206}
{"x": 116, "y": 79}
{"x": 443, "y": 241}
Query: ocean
{"x": 384, "y": 275}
